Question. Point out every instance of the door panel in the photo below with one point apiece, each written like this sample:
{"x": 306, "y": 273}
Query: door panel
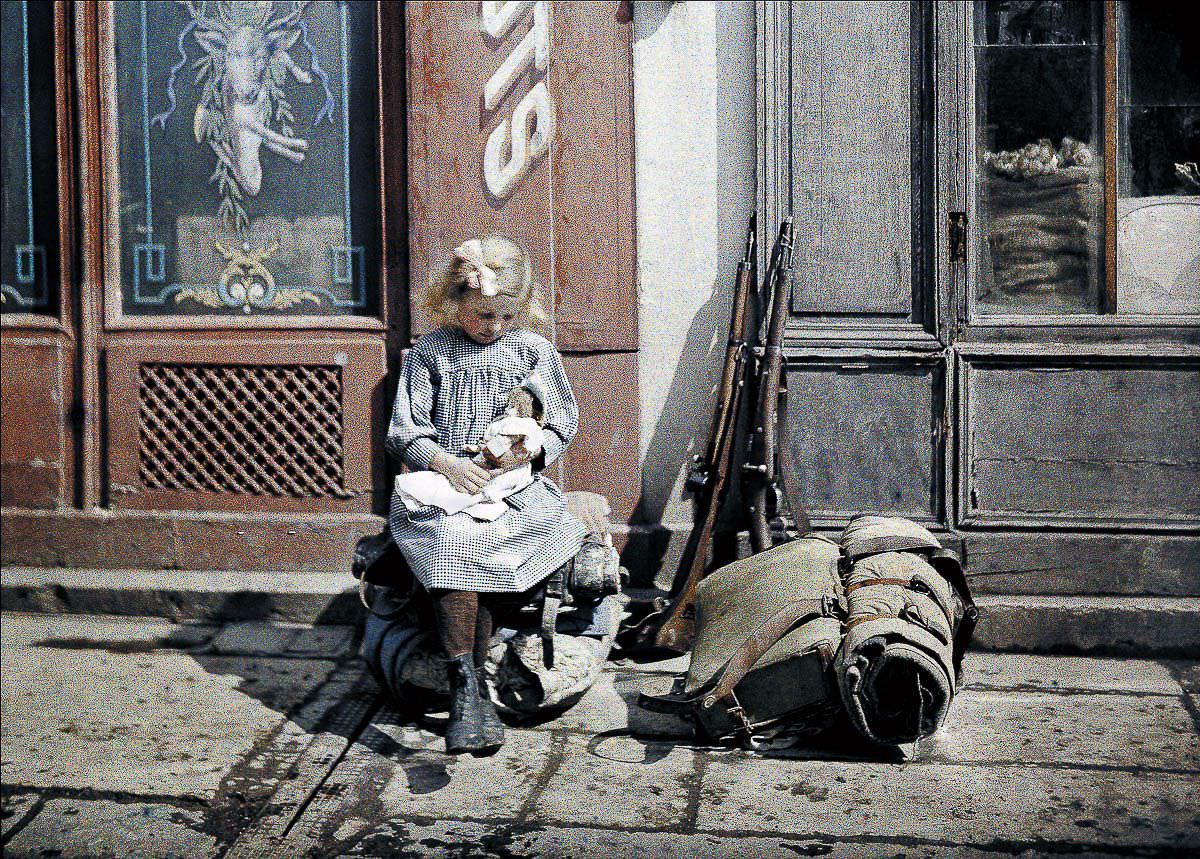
{"x": 217, "y": 423}
{"x": 240, "y": 194}
{"x": 35, "y": 429}
{"x": 851, "y": 157}
{"x": 867, "y": 436}
{"x": 1111, "y": 445}
{"x": 38, "y": 411}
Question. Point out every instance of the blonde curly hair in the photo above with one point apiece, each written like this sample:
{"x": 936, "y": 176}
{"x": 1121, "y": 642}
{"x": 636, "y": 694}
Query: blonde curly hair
{"x": 514, "y": 278}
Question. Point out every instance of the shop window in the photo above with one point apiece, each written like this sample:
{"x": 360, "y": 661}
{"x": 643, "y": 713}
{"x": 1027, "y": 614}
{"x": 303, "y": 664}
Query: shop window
{"x": 1088, "y": 146}
{"x": 244, "y": 138}
{"x": 29, "y": 244}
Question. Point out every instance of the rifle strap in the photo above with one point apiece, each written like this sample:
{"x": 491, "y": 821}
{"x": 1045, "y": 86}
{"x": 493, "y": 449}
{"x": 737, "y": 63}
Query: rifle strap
{"x": 761, "y": 640}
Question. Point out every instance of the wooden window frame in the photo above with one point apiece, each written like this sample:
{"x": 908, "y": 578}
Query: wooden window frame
{"x": 1106, "y": 317}
{"x": 104, "y": 232}
{"x": 64, "y": 319}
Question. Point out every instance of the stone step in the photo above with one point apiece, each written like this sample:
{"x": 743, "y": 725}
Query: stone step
{"x": 195, "y": 595}
{"x": 1121, "y": 626}
{"x": 1116, "y": 625}
{"x": 1101, "y": 625}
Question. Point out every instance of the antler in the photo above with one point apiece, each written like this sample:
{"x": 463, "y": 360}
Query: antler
{"x": 199, "y": 17}
{"x": 286, "y": 21}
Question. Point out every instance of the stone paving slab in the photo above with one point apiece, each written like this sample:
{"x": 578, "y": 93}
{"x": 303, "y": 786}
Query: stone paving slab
{"x": 396, "y": 768}
{"x": 327, "y": 641}
{"x": 14, "y": 808}
{"x": 1189, "y": 675}
{"x": 164, "y": 723}
{"x": 611, "y": 705}
{"x": 427, "y": 781}
{"x": 619, "y": 781}
{"x": 979, "y": 806}
{"x": 99, "y": 829}
{"x": 254, "y": 636}
{"x": 105, "y": 632}
{"x": 455, "y": 838}
{"x": 983, "y": 727}
{"x": 1055, "y": 673}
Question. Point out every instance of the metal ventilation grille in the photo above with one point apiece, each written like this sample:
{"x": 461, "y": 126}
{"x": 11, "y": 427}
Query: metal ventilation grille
{"x": 246, "y": 429}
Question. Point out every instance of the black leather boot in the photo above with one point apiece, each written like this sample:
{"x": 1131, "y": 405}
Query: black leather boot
{"x": 464, "y": 730}
{"x": 493, "y": 728}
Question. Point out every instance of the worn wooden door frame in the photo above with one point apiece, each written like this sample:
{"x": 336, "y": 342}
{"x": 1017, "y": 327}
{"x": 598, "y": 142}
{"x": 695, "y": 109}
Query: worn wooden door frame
{"x": 45, "y": 461}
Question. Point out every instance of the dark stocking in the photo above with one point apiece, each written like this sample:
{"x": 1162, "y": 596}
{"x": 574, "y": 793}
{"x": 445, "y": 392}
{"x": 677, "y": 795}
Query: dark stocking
{"x": 483, "y": 632}
{"x": 457, "y": 617}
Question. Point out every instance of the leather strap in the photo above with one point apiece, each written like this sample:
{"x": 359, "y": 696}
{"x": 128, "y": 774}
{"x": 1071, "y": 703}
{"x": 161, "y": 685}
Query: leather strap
{"x": 866, "y": 618}
{"x": 752, "y": 649}
{"x": 866, "y": 583}
{"x": 551, "y": 600}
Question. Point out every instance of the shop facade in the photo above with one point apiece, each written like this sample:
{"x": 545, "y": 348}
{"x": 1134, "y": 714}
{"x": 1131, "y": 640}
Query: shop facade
{"x": 219, "y": 219}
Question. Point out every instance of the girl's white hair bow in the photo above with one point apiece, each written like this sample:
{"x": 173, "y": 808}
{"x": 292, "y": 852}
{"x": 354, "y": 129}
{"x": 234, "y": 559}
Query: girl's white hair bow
{"x": 482, "y": 278}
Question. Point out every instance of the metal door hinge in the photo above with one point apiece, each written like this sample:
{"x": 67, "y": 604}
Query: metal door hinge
{"x": 958, "y": 237}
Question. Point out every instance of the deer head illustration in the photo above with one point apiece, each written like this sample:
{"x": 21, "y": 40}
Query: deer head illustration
{"x": 243, "y": 105}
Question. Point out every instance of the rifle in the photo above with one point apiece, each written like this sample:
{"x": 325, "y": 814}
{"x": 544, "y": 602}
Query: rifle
{"x": 665, "y": 625}
{"x": 762, "y": 466}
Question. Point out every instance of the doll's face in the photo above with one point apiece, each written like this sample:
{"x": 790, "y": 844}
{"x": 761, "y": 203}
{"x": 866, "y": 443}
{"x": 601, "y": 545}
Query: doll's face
{"x": 486, "y": 319}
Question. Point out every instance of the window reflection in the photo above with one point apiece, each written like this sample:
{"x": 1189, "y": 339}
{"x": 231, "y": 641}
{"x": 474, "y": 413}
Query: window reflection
{"x": 1158, "y": 204}
{"x": 1039, "y": 79}
{"x": 28, "y": 154}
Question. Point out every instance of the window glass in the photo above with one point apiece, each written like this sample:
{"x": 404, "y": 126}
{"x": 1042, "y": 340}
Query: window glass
{"x": 29, "y": 244}
{"x": 1039, "y": 85}
{"x": 247, "y": 159}
{"x": 1158, "y": 179}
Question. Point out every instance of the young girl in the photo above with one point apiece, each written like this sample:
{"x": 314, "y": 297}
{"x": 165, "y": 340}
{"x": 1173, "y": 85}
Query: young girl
{"x": 455, "y": 381}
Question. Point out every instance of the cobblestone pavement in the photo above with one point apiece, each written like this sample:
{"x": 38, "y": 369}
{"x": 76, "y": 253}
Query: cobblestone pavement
{"x": 129, "y": 737}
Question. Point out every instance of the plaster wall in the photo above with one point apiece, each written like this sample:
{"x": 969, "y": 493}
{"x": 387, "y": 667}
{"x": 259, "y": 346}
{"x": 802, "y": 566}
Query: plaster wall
{"x": 694, "y": 120}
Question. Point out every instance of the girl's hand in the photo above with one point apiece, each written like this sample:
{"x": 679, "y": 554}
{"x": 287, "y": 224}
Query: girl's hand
{"x": 463, "y": 474}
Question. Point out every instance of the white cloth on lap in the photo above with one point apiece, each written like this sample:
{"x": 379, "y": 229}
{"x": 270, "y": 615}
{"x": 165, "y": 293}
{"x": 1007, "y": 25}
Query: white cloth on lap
{"x": 429, "y": 488}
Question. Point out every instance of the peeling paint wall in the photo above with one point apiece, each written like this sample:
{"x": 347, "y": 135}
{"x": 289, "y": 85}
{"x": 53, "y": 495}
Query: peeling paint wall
{"x": 694, "y": 121}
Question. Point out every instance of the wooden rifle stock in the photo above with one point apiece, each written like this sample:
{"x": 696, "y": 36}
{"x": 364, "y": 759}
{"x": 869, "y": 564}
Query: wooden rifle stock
{"x": 761, "y": 466}
{"x": 724, "y": 422}
{"x": 677, "y": 631}
{"x": 673, "y": 626}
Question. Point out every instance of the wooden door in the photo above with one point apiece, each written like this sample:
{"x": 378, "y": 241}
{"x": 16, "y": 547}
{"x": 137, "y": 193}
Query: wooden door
{"x": 38, "y": 326}
{"x": 240, "y": 226}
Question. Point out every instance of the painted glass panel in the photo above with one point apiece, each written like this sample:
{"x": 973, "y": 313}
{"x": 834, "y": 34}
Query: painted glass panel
{"x": 1158, "y": 176}
{"x": 29, "y": 178}
{"x": 1039, "y": 72}
{"x": 247, "y": 157}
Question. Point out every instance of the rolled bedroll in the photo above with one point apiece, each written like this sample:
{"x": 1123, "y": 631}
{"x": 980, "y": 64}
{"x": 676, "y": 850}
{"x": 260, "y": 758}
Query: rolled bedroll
{"x": 909, "y": 619}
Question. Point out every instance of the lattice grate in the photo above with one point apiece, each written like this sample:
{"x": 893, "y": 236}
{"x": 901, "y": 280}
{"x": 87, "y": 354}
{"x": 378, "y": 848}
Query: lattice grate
{"x": 247, "y": 429}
